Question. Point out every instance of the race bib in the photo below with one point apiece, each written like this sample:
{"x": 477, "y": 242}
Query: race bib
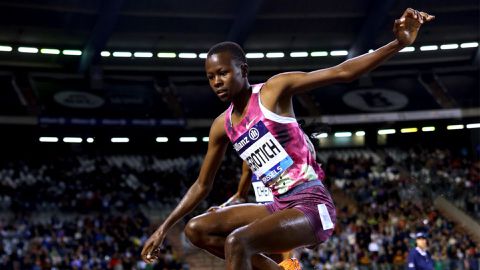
{"x": 262, "y": 193}
{"x": 263, "y": 153}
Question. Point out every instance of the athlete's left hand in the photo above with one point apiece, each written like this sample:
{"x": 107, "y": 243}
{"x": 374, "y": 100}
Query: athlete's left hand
{"x": 406, "y": 28}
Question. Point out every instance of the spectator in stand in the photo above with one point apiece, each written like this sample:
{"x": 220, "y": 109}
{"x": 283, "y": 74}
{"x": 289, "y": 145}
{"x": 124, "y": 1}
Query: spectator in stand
{"x": 419, "y": 258}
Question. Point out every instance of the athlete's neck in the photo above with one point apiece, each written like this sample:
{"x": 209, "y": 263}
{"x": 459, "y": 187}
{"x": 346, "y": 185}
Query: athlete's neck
{"x": 241, "y": 100}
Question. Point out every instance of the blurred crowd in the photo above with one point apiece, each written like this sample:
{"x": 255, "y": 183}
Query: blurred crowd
{"x": 100, "y": 183}
{"x": 99, "y": 222}
{"x": 449, "y": 174}
{"x": 110, "y": 241}
{"x": 390, "y": 207}
{"x": 96, "y": 201}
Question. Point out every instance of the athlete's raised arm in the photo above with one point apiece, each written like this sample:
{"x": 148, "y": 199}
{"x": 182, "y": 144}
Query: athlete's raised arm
{"x": 405, "y": 29}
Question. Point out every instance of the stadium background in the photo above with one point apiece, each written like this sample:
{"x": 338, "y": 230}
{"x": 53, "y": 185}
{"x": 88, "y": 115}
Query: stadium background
{"x": 105, "y": 110}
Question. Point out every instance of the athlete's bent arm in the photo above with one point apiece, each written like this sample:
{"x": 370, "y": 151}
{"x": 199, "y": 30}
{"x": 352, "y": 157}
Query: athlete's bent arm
{"x": 242, "y": 190}
{"x": 245, "y": 181}
{"x": 243, "y": 187}
{"x": 197, "y": 192}
{"x": 405, "y": 29}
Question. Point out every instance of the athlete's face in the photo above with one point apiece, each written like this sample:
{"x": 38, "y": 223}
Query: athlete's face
{"x": 226, "y": 76}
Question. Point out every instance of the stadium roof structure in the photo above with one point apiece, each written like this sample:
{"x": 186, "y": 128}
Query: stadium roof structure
{"x": 118, "y": 59}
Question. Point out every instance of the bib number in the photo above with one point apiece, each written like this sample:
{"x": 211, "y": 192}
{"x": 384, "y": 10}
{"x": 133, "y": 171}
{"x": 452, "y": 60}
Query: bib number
{"x": 263, "y": 153}
{"x": 262, "y": 193}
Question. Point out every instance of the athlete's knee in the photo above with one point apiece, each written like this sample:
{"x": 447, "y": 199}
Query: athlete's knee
{"x": 237, "y": 243}
{"x": 194, "y": 230}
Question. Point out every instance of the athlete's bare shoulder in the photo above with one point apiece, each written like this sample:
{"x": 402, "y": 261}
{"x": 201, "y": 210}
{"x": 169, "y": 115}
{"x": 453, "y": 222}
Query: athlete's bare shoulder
{"x": 219, "y": 120}
{"x": 217, "y": 130}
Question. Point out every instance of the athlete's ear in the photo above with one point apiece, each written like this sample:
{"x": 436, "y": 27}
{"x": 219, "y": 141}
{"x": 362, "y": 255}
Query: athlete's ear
{"x": 244, "y": 68}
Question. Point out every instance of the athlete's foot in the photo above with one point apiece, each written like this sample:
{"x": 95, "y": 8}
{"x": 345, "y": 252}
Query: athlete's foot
{"x": 291, "y": 264}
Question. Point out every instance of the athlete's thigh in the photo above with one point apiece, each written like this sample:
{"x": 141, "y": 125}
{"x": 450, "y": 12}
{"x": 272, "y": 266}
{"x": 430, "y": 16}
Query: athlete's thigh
{"x": 279, "y": 232}
{"x": 224, "y": 220}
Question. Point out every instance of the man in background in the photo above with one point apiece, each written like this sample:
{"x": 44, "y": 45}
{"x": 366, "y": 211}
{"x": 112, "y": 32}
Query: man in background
{"x": 418, "y": 257}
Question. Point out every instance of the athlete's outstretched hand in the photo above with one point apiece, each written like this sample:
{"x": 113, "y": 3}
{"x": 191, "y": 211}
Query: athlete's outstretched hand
{"x": 151, "y": 249}
{"x": 406, "y": 28}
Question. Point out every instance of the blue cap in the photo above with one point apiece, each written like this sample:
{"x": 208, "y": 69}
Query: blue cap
{"x": 420, "y": 235}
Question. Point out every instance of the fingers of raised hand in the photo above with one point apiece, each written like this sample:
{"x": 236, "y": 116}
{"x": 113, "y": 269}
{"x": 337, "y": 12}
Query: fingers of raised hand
{"x": 420, "y": 16}
{"x": 409, "y": 12}
{"x": 399, "y": 22}
{"x": 426, "y": 17}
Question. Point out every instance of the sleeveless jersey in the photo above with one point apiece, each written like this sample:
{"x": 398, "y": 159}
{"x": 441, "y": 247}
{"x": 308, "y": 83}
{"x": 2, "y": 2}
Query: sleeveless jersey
{"x": 275, "y": 147}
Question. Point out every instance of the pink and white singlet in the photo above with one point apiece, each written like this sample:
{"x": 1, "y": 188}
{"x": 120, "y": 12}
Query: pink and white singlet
{"x": 274, "y": 146}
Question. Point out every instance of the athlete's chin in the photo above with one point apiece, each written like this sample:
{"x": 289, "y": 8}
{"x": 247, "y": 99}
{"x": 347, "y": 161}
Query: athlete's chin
{"x": 224, "y": 99}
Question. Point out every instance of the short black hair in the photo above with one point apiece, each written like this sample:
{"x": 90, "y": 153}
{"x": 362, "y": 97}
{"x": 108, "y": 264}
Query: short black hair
{"x": 231, "y": 47}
